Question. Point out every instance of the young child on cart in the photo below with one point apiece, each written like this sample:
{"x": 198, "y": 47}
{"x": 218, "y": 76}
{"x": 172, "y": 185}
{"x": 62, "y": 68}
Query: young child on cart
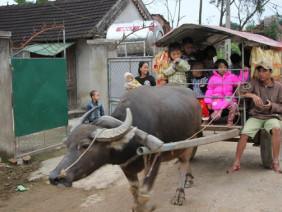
{"x": 188, "y": 50}
{"x": 219, "y": 94}
{"x": 198, "y": 83}
{"x": 189, "y": 55}
{"x": 177, "y": 67}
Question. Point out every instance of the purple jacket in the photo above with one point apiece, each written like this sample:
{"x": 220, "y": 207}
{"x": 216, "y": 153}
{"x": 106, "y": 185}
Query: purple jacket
{"x": 225, "y": 86}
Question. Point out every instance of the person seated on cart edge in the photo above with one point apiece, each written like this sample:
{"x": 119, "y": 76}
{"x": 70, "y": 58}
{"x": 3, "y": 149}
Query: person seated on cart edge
{"x": 220, "y": 86}
{"x": 177, "y": 67}
{"x": 198, "y": 84}
{"x": 265, "y": 112}
{"x": 144, "y": 78}
{"x": 95, "y": 97}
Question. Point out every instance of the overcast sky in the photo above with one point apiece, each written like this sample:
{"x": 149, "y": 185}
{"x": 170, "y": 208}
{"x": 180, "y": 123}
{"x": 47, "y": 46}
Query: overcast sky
{"x": 210, "y": 14}
{"x": 190, "y": 9}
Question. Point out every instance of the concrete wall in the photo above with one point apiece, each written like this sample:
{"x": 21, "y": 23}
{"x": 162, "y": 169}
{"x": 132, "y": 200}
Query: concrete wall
{"x": 92, "y": 70}
{"x": 91, "y": 62}
{"x": 83, "y": 73}
{"x": 6, "y": 119}
{"x": 129, "y": 14}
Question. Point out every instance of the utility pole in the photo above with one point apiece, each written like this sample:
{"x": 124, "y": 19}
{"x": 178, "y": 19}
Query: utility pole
{"x": 200, "y": 12}
{"x": 228, "y": 41}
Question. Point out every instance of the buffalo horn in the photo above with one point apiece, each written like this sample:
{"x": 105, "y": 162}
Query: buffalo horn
{"x": 83, "y": 118}
{"x": 114, "y": 134}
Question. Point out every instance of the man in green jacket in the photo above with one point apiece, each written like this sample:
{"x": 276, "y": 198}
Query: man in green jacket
{"x": 265, "y": 112}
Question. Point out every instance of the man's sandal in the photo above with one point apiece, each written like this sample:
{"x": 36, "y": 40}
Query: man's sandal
{"x": 234, "y": 168}
{"x": 275, "y": 167}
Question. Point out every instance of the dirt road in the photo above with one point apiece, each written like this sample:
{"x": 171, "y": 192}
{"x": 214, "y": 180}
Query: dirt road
{"x": 252, "y": 189}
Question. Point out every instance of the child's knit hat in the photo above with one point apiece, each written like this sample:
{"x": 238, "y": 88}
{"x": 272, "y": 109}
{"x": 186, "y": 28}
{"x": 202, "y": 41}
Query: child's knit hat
{"x": 127, "y": 74}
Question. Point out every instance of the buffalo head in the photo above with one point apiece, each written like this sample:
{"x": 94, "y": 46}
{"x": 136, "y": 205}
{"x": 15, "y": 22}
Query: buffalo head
{"x": 91, "y": 146}
{"x": 106, "y": 142}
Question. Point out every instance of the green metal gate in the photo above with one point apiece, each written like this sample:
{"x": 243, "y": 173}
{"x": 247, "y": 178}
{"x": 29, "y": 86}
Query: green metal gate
{"x": 39, "y": 101}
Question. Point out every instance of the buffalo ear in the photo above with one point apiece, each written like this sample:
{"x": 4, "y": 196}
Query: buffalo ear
{"x": 125, "y": 139}
{"x": 66, "y": 142}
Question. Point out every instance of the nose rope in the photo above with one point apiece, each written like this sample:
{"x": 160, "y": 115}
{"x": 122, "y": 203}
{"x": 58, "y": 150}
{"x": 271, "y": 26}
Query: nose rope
{"x": 64, "y": 171}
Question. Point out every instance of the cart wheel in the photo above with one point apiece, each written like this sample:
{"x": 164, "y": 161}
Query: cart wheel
{"x": 265, "y": 149}
{"x": 194, "y": 152}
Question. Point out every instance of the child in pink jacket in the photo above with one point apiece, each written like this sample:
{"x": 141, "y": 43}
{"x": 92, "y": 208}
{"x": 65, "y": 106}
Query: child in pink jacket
{"x": 221, "y": 84}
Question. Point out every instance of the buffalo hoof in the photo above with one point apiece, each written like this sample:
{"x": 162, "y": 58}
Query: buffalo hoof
{"x": 149, "y": 207}
{"x": 188, "y": 180}
{"x": 188, "y": 184}
{"x": 178, "y": 198}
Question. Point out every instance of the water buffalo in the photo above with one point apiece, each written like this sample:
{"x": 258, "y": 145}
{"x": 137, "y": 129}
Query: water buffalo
{"x": 167, "y": 113}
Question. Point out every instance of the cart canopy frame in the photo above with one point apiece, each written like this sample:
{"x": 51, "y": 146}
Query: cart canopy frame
{"x": 212, "y": 35}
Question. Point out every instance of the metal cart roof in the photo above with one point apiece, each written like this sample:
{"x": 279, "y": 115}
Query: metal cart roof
{"x": 212, "y": 35}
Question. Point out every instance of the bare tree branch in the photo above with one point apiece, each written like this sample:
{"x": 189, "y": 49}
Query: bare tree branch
{"x": 149, "y": 2}
{"x": 258, "y": 7}
{"x": 221, "y": 13}
{"x": 178, "y": 17}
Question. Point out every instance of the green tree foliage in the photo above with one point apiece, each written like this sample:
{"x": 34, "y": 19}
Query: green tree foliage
{"x": 273, "y": 31}
{"x": 233, "y": 25}
{"x": 220, "y": 54}
{"x": 21, "y": 1}
{"x": 280, "y": 20}
{"x": 235, "y": 49}
{"x": 246, "y": 9}
{"x": 250, "y": 27}
{"x": 26, "y": 1}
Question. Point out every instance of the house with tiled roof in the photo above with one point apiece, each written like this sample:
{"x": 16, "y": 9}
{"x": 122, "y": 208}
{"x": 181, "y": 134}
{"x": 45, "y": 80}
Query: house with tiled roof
{"x": 266, "y": 24}
{"x": 162, "y": 21}
{"x": 84, "y": 23}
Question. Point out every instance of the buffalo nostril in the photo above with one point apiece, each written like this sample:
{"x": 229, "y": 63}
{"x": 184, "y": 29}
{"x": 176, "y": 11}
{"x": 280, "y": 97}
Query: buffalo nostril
{"x": 53, "y": 178}
{"x": 54, "y": 181}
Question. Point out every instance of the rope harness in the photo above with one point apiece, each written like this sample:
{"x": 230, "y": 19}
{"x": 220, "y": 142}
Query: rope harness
{"x": 64, "y": 171}
{"x": 148, "y": 169}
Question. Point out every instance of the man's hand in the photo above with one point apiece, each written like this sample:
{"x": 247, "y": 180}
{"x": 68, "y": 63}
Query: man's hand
{"x": 257, "y": 100}
{"x": 268, "y": 106}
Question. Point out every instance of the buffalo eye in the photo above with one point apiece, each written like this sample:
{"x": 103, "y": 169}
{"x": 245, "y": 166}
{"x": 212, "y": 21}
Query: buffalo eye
{"x": 83, "y": 146}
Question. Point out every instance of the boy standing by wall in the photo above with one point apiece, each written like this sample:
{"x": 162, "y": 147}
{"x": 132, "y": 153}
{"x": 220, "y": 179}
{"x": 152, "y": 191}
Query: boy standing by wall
{"x": 95, "y": 97}
{"x": 177, "y": 67}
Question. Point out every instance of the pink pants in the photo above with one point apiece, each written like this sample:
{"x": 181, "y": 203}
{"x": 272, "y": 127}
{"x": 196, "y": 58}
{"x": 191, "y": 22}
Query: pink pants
{"x": 232, "y": 112}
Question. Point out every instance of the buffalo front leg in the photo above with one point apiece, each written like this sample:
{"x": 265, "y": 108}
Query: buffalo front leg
{"x": 151, "y": 170}
{"x": 189, "y": 178}
{"x": 185, "y": 173}
{"x": 134, "y": 186}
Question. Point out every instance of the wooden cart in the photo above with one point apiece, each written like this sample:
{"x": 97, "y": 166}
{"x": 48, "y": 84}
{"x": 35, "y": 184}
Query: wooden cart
{"x": 212, "y": 35}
